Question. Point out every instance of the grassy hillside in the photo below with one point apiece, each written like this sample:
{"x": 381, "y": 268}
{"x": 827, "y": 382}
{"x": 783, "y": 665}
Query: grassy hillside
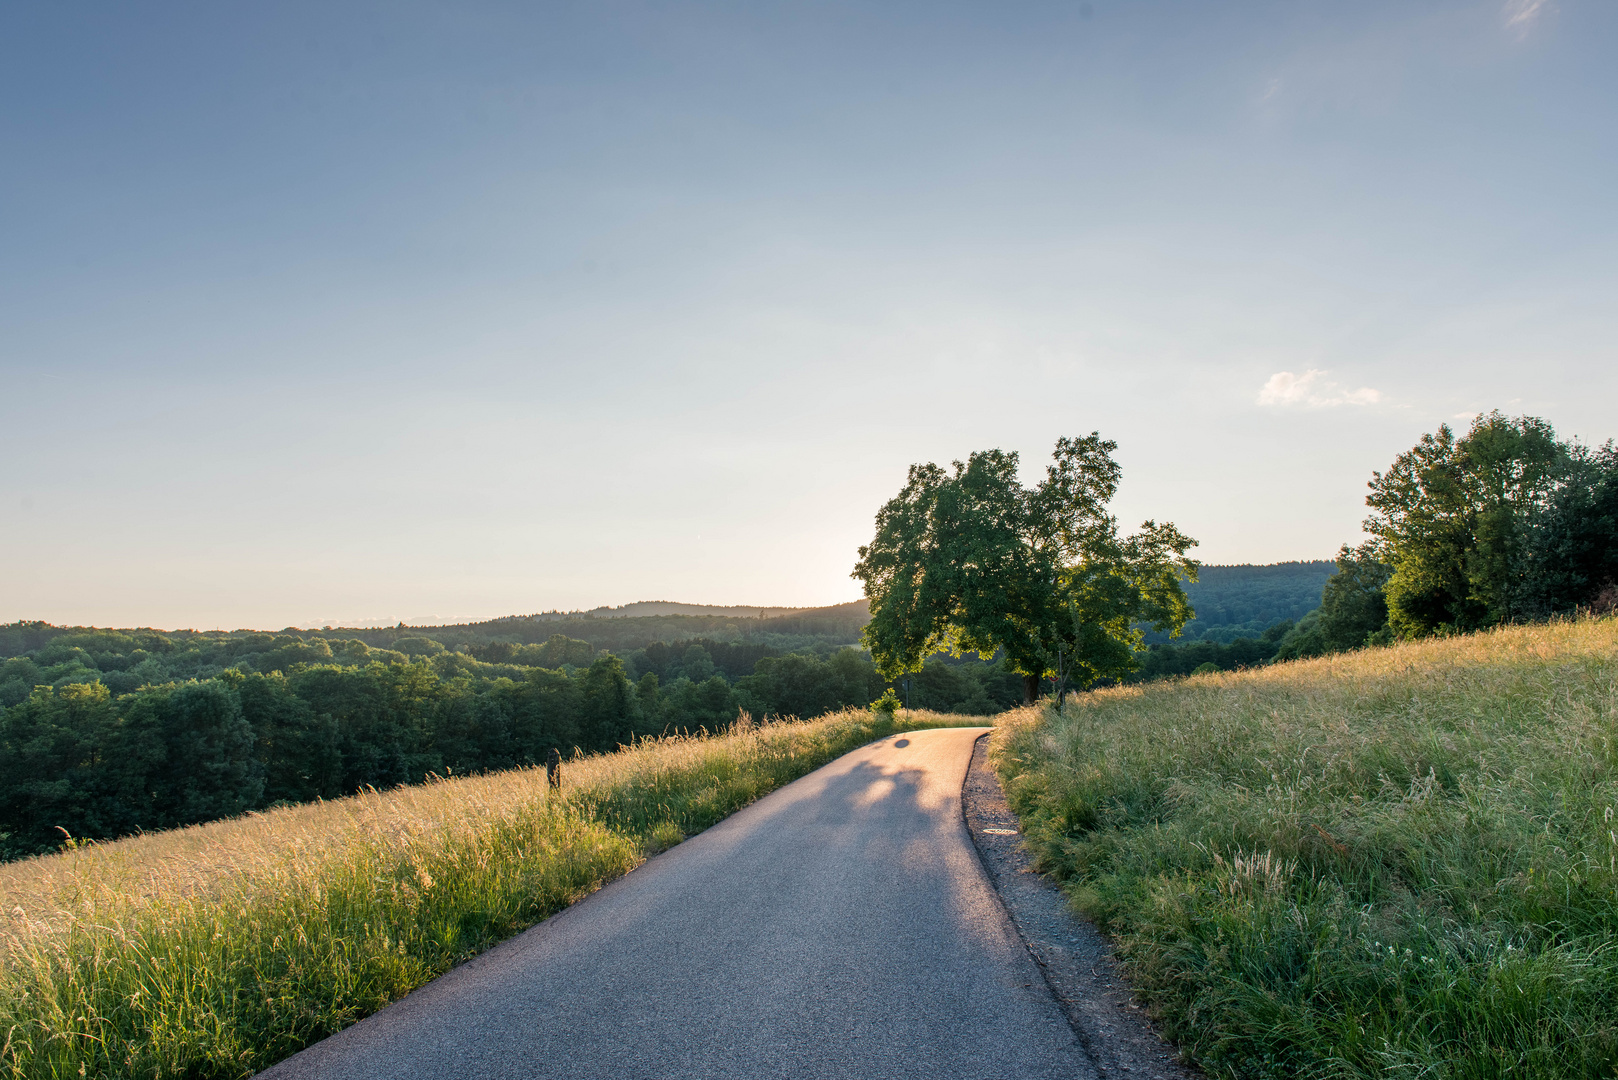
{"x": 1395, "y": 862}
{"x": 216, "y": 950}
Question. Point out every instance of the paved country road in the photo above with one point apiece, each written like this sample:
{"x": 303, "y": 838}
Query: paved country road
{"x": 840, "y": 927}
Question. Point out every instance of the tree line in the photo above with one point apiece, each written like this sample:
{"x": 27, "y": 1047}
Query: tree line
{"x": 1506, "y": 523}
{"x": 105, "y": 733}
{"x": 813, "y": 630}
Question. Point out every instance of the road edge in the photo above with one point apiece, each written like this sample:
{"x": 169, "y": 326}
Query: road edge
{"x": 1078, "y": 964}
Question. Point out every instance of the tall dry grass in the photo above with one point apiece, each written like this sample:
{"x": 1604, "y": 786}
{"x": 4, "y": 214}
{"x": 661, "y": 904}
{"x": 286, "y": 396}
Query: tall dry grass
{"x": 216, "y": 950}
{"x": 1395, "y": 862}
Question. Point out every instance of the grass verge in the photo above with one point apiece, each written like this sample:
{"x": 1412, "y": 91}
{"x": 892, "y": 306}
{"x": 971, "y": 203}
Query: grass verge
{"x": 1398, "y": 862}
{"x": 217, "y": 950}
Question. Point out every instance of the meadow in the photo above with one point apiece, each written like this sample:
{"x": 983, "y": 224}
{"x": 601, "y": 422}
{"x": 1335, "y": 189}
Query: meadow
{"x": 1396, "y": 862}
{"x": 218, "y": 949}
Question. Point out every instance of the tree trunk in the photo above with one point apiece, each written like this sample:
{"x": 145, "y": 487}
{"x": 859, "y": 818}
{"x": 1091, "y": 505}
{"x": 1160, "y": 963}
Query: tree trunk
{"x": 1030, "y": 689}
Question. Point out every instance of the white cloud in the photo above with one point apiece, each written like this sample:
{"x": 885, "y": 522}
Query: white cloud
{"x": 1312, "y": 390}
{"x": 1522, "y": 14}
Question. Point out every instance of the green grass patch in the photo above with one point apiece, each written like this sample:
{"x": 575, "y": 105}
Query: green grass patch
{"x": 217, "y": 950}
{"x": 1398, "y": 862}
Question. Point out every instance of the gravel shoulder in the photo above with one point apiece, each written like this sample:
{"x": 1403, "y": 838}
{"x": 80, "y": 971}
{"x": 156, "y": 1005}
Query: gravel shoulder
{"x": 1078, "y": 963}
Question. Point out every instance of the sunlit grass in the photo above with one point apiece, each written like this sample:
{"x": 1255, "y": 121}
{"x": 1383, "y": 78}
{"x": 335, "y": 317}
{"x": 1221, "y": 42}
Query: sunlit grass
{"x": 216, "y": 950}
{"x": 1396, "y": 862}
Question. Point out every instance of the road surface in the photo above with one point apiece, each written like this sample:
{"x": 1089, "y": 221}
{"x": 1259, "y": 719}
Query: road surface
{"x": 840, "y": 927}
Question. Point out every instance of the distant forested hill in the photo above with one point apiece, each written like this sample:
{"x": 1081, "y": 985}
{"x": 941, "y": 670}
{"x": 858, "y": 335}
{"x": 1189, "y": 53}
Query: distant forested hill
{"x": 1243, "y": 601}
{"x": 635, "y": 626}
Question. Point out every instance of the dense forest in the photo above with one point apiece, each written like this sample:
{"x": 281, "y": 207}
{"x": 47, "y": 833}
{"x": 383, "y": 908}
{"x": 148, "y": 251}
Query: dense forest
{"x": 1243, "y": 613}
{"x": 1244, "y": 601}
{"x": 106, "y": 732}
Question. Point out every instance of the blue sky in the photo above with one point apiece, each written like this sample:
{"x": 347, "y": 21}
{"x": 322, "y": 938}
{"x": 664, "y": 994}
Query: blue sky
{"x": 316, "y": 312}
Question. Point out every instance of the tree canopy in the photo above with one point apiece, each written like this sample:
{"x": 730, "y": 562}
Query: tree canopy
{"x": 1450, "y": 515}
{"x": 969, "y": 560}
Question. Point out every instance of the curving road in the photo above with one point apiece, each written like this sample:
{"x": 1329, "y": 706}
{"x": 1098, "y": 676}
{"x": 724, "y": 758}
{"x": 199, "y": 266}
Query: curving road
{"x": 840, "y": 927}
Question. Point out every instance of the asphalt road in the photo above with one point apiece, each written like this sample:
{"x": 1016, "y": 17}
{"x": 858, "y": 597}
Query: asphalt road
{"x": 841, "y": 927}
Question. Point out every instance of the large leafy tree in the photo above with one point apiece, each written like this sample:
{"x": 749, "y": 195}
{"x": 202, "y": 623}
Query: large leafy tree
{"x": 1570, "y": 544}
{"x": 1448, "y": 518}
{"x": 969, "y": 560}
{"x": 1353, "y": 603}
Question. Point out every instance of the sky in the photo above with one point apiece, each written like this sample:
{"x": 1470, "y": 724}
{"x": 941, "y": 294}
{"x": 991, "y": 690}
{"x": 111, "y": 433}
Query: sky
{"x": 335, "y": 312}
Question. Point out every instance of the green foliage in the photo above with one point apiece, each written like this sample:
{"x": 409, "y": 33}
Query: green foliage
{"x": 1393, "y": 862}
{"x": 1571, "y": 542}
{"x": 18, "y": 677}
{"x": 1503, "y": 524}
{"x": 967, "y": 687}
{"x": 52, "y": 780}
{"x": 1166, "y": 660}
{"x": 804, "y": 686}
{"x": 694, "y": 706}
{"x": 192, "y": 727}
{"x": 73, "y": 761}
{"x": 558, "y": 650}
{"x": 1353, "y": 609}
{"x": 815, "y": 630}
{"x": 1244, "y": 601}
{"x": 198, "y": 751}
{"x": 970, "y": 561}
{"x": 700, "y": 658}
{"x": 300, "y": 749}
{"x": 1448, "y": 516}
{"x": 607, "y": 707}
{"x": 1354, "y": 605}
{"x": 1303, "y": 640}
{"x": 416, "y": 645}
